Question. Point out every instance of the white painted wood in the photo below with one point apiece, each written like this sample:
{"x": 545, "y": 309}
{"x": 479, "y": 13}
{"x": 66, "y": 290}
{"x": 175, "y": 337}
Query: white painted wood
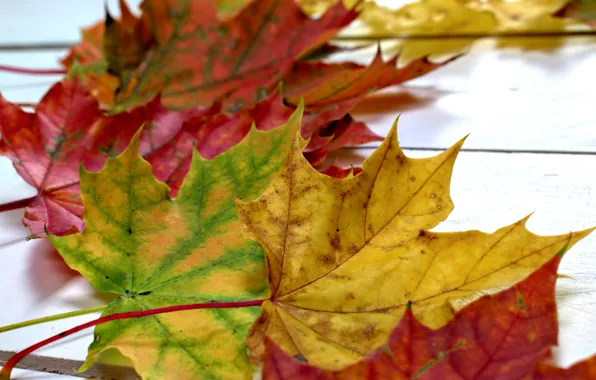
{"x": 26, "y": 22}
{"x": 506, "y": 100}
{"x": 489, "y": 190}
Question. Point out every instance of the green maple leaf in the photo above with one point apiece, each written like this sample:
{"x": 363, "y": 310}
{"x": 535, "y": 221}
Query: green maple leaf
{"x": 153, "y": 251}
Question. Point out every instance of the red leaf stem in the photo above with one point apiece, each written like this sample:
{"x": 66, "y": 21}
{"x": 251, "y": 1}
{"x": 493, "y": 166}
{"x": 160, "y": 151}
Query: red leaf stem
{"x": 23, "y": 70}
{"x": 15, "y": 205}
{"x": 12, "y": 362}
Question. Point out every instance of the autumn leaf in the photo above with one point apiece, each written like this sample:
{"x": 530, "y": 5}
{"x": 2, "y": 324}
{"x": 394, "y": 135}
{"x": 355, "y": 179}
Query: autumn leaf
{"x": 249, "y": 62}
{"x": 68, "y": 130}
{"x": 153, "y": 251}
{"x": 207, "y": 73}
{"x": 125, "y": 41}
{"x": 197, "y": 59}
{"x": 346, "y": 256}
{"x": 430, "y": 17}
{"x": 86, "y": 62}
{"x": 452, "y": 17}
{"x": 110, "y": 47}
{"x": 501, "y": 336}
{"x": 323, "y": 84}
{"x": 341, "y": 133}
{"x": 47, "y": 148}
{"x": 339, "y": 172}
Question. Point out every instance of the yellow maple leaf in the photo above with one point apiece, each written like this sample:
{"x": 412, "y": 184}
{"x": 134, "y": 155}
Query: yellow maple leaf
{"x": 346, "y": 256}
{"x": 428, "y": 17}
{"x": 455, "y": 17}
{"x": 316, "y": 7}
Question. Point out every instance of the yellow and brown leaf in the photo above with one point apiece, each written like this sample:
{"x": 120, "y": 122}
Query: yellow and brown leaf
{"x": 345, "y": 257}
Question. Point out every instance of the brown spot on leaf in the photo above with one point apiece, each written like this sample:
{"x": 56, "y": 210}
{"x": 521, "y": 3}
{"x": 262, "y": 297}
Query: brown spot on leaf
{"x": 369, "y": 331}
{"x": 335, "y": 242}
{"x": 325, "y": 259}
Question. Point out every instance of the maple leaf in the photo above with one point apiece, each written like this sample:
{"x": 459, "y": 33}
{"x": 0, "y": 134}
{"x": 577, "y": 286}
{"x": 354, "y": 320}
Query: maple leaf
{"x": 46, "y": 149}
{"x": 341, "y": 133}
{"x": 86, "y": 62}
{"x": 501, "y": 336}
{"x": 321, "y": 84}
{"x": 346, "y": 256}
{"x": 190, "y": 67}
{"x": 125, "y": 41}
{"x": 68, "y": 130}
{"x": 197, "y": 59}
{"x": 448, "y": 17}
{"x": 154, "y": 251}
{"x": 435, "y": 17}
{"x": 339, "y": 172}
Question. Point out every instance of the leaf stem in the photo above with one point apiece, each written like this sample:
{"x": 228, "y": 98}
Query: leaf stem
{"x": 21, "y": 203}
{"x": 23, "y": 70}
{"x": 50, "y": 318}
{"x": 10, "y": 363}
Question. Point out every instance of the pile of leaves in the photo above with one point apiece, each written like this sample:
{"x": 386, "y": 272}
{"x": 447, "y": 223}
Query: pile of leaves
{"x": 174, "y": 171}
{"x": 337, "y": 278}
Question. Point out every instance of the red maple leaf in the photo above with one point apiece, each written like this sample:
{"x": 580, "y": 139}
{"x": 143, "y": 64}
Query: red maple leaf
{"x": 196, "y": 59}
{"x": 183, "y": 51}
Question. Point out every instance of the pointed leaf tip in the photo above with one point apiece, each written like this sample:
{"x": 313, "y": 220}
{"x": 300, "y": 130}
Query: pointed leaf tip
{"x": 109, "y": 20}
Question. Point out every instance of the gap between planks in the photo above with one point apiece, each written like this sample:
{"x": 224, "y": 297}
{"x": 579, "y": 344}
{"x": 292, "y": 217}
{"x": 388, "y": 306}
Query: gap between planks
{"x": 479, "y": 150}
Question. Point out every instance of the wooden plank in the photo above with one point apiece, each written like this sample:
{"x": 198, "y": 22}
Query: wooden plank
{"x": 488, "y": 189}
{"x": 506, "y": 99}
{"x": 26, "y": 22}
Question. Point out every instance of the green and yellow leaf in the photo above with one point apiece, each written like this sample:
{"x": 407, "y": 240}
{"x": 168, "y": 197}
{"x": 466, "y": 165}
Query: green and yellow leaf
{"x": 153, "y": 251}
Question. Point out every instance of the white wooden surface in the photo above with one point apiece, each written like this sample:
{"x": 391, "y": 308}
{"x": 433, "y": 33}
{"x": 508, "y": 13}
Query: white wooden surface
{"x": 511, "y": 102}
{"x": 26, "y": 22}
